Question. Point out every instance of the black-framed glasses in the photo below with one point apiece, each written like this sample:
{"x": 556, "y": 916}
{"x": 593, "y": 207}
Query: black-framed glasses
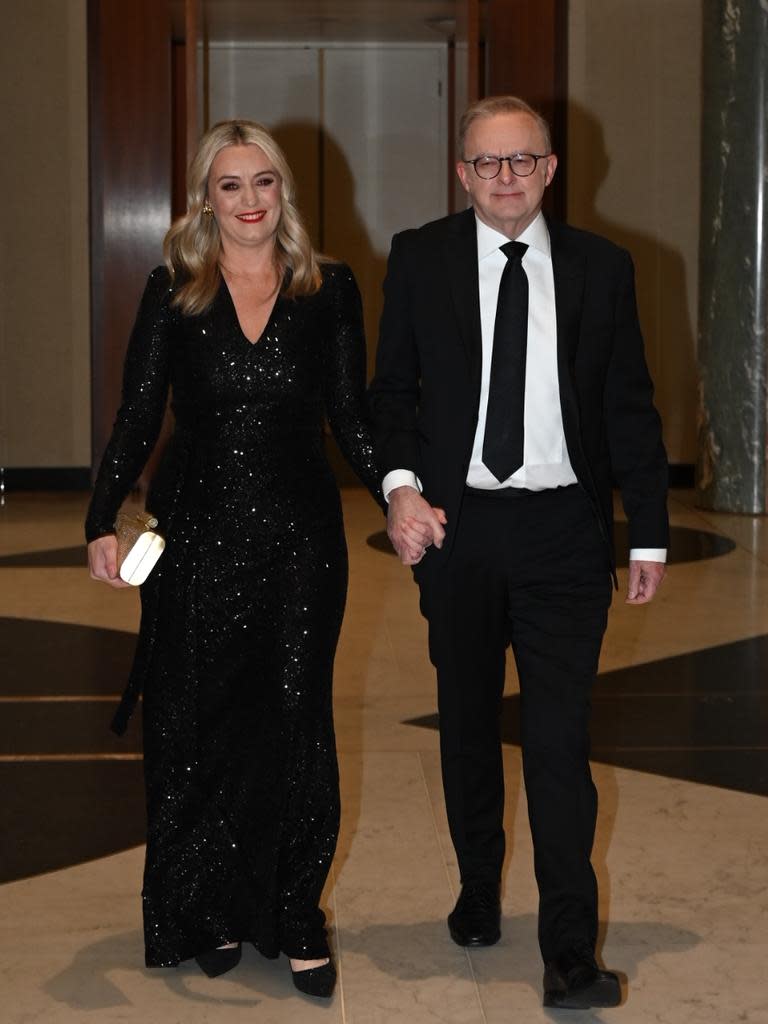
{"x": 521, "y": 164}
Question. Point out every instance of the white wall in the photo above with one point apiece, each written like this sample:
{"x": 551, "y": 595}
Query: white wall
{"x": 278, "y": 86}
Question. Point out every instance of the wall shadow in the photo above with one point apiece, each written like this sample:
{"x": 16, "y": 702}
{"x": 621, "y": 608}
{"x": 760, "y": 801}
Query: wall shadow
{"x": 662, "y": 287}
{"x": 336, "y": 225}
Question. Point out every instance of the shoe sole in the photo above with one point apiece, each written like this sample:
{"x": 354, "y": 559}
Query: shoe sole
{"x": 474, "y": 941}
{"x": 601, "y": 994}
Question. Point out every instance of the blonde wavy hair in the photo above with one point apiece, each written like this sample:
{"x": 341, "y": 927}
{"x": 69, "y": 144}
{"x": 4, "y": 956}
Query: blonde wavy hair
{"x": 193, "y": 244}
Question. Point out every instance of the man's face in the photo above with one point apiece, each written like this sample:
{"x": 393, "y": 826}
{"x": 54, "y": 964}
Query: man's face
{"x": 507, "y": 202}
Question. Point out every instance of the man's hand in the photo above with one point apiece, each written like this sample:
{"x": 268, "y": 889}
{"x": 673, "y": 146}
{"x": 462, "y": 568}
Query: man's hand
{"x": 644, "y": 580}
{"x": 412, "y": 524}
{"x": 102, "y": 561}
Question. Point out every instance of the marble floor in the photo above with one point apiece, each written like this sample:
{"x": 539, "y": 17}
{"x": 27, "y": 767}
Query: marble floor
{"x": 681, "y": 747}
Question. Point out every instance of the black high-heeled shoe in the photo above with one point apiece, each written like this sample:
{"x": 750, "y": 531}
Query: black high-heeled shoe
{"x": 215, "y": 962}
{"x": 316, "y": 981}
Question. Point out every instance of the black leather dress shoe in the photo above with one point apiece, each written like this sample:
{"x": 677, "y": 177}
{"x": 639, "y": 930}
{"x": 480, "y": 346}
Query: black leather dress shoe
{"x": 573, "y": 981}
{"x": 476, "y": 918}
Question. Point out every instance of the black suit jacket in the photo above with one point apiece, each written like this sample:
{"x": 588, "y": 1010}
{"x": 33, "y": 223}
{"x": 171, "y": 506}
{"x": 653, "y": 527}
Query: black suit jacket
{"x": 426, "y": 389}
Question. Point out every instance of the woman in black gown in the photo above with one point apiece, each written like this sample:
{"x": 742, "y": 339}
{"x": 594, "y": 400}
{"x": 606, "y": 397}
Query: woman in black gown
{"x": 256, "y": 338}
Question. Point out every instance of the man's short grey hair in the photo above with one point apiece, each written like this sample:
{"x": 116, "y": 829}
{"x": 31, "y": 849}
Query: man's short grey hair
{"x": 492, "y": 105}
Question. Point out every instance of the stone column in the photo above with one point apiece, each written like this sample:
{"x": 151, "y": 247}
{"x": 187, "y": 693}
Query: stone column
{"x": 733, "y": 261}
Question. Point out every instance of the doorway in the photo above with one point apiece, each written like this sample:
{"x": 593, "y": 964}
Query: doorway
{"x": 364, "y": 127}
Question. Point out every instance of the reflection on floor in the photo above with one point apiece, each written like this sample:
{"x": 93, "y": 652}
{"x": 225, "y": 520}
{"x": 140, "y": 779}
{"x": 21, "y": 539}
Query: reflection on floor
{"x": 682, "y": 865}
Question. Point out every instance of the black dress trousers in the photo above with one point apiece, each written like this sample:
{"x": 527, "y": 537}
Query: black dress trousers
{"x": 528, "y": 569}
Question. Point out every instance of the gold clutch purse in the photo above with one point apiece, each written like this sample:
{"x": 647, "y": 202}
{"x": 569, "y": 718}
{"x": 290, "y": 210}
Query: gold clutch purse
{"x": 138, "y": 545}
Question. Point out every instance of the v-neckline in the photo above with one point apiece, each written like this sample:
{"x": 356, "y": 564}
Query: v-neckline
{"x": 233, "y": 307}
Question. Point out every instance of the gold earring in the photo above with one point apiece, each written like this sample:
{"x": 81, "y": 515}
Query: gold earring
{"x": 207, "y": 209}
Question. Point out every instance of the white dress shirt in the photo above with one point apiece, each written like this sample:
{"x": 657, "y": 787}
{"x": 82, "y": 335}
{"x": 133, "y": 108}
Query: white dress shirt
{"x": 545, "y": 455}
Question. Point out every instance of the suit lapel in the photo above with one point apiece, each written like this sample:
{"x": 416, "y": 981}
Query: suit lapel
{"x": 568, "y": 270}
{"x": 460, "y": 255}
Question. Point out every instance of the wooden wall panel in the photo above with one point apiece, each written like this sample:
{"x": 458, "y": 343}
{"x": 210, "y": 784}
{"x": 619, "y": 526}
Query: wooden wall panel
{"x": 129, "y": 44}
{"x": 193, "y": 37}
{"x": 526, "y": 56}
{"x": 464, "y": 86}
{"x": 468, "y": 38}
{"x": 179, "y": 158}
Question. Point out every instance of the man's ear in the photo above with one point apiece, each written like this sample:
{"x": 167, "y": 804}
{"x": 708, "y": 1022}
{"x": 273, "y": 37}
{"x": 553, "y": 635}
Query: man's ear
{"x": 461, "y": 170}
{"x": 551, "y": 168}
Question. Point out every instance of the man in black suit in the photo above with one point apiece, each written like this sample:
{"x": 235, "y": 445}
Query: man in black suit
{"x": 510, "y": 391}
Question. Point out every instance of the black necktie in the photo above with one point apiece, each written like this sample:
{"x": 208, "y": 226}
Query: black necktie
{"x": 503, "y": 441}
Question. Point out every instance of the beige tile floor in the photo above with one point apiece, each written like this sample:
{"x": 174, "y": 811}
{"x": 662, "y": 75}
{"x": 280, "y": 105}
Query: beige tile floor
{"x": 683, "y": 868}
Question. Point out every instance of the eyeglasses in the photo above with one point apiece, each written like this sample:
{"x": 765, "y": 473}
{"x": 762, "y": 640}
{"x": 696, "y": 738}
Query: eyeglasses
{"x": 521, "y": 164}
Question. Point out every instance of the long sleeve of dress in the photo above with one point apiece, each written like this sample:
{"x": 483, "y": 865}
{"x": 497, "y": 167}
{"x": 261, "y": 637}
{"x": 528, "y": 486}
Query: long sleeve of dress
{"x": 140, "y": 416}
{"x": 344, "y": 384}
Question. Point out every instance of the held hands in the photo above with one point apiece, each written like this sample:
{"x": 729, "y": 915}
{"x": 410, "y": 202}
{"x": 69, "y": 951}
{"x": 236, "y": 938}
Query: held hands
{"x": 413, "y": 524}
{"x": 644, "y": 580}
{"x": 102, "y": 561}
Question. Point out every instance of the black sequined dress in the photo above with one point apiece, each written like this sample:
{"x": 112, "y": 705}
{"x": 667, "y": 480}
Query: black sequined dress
{"x": 241, "y": 616}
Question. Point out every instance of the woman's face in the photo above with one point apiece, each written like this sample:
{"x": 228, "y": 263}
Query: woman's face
{"x": 244, "y": 192}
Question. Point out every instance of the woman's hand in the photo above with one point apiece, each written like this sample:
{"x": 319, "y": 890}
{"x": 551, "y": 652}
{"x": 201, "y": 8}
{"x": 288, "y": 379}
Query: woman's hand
{"x": 102, "y": 561}
{"x": 413, "y": 524}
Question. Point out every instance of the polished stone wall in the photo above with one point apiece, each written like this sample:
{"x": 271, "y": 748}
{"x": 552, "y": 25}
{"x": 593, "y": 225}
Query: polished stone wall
{"x": 733, "y": 275}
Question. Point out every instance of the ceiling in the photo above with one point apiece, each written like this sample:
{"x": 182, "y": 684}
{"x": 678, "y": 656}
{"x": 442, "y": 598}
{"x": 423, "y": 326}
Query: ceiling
{"x": 324, "y": 20}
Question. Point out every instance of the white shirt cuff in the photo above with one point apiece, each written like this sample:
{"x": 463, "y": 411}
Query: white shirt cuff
{"x": 399, "y": 478}
{"x": 648, "y": 555}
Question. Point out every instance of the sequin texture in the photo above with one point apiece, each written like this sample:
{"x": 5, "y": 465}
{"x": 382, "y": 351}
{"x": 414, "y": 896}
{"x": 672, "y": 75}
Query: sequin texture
{"x": 241, "y": 617}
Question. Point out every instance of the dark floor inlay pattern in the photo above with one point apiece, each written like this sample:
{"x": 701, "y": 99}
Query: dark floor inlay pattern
{"x": 686, "y": 545}
{"x": 50, "y": 558}
{"x": 54, "y": 658}
{"x": 699, "y": 717}
{"x": 85, "y": 802}
{"x": 54, "y": 815}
